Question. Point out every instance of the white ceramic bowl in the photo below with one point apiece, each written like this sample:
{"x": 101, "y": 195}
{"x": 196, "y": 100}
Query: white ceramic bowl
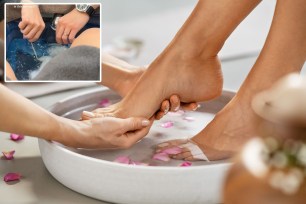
{"x": 92, "y": 172}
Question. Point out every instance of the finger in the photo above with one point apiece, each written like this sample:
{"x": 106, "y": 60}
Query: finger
{"x": 165, "y": 106}
{"x": 72, "y": 36}
{"x": 32, "y": 33}
{"x": 37, "y": 35}
{"x": 86, "y": 115}
{"x": 132, "y": 124}
{"x": 133, "y": 137}
{"x": 59, "y": 34}
{"x": 22, "y": 25}
{"x": 159, "y": 115}
{"x": 27, "y": 29}
{"x": 65, "y": 36}
{"x": 174, "y": 103}
{"x": 189, "y": 106}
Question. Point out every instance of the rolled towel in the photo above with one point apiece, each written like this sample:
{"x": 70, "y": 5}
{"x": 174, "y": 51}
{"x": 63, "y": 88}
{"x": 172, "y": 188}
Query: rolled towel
{"x": 81, "y": 63}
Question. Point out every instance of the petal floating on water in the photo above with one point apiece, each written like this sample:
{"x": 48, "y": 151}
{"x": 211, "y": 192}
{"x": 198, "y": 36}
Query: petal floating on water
{"x": 161, "y": 157}
{"x": 167, "y": 124}
{"x": 105, "y": 103}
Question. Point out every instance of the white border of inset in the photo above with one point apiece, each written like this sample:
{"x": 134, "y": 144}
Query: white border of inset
{"x": 46, "y": 81}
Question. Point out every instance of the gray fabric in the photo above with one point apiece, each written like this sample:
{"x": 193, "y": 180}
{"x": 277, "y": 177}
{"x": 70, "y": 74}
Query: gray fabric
{"x": 80, "y": 63}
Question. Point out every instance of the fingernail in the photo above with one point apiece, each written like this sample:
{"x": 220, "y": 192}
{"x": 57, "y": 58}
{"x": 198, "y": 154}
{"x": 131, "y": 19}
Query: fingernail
{"x": 167, "y": 110}
{"x": 163, "y": 144}
{"x": 177, "y": 108}
{"x": 88, "y": 114}
{"x": 145, "y": 123}
{"x": 198, "y": 106}
{"x": 157, "y": 151}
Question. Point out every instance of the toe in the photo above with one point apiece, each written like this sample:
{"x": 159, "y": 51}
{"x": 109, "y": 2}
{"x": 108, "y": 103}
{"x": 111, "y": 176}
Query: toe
{"x": 190, "y": 158}
{"x": 190, "y": 106}
{"x": 182, "y": 156}
{"x": 171, "y": 143}
{"x": 159, "y": 115}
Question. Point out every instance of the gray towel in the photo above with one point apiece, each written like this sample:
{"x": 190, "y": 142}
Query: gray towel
{"x": 80, "y": 63}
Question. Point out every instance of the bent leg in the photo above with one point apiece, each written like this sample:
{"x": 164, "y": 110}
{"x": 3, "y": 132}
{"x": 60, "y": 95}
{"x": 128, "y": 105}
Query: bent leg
{"x": 284, "y": 52}
{"x": 90, "y": 37}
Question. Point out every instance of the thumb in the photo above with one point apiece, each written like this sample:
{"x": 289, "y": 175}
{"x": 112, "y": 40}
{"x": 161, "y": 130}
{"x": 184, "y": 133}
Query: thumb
{"x": 132, "y": 124}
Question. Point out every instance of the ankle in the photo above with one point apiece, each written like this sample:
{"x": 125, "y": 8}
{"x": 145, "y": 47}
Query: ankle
{"x": 127, "y": 81}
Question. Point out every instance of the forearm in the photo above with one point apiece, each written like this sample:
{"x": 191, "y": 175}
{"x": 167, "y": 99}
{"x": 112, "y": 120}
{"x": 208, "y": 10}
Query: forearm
{"x": 21, "y": 116}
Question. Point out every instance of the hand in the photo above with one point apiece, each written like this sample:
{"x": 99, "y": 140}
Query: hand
{"x": 105, "y": 133}
{"x": 32, "y": 24}
{"x": 69, "y": 25}
{"x": 174, "y": 104}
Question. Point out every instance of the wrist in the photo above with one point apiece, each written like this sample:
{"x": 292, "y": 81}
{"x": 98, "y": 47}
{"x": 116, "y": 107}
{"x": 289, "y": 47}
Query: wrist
{"x": 80, "y": 13}
{"x": 64, "y": 131}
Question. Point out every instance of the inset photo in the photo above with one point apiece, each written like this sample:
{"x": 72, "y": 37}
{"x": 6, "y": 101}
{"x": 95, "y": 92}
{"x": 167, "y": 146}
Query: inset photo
{"x": 53, "y": 42}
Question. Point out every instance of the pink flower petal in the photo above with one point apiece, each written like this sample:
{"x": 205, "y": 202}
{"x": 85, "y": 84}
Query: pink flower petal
{"x": 9, "y": 155}
{"x": 161, "y": 156}
{"x": 123, "y": 160}
{"x": 178, "y": 113}
{"x": 167, "y": 124}
{"x": 16, "y": 137}
{"x": 189, "y": 119}
{"x": 185, "y": 164}
{"x": 11, "y": 177}
{"x": 173, "y": 150}
{"x": 105, "y": 103}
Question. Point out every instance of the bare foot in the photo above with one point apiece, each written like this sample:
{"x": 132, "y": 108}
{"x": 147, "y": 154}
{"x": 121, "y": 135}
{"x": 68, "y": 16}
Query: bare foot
{"x": 126, "y": 81}
{"x": 224, "y": 136}
{"x": 193, "y": 80}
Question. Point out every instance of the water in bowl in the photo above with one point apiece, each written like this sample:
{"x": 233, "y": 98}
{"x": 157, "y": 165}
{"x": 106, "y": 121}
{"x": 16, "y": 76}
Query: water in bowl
{"x": 27, "y": 58}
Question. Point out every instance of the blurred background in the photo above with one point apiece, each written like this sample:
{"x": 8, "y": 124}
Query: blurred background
{"x": 138, "y": 30}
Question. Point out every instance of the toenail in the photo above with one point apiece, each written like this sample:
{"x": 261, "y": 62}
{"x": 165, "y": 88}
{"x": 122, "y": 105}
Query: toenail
{"x": 167, "y": 110}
